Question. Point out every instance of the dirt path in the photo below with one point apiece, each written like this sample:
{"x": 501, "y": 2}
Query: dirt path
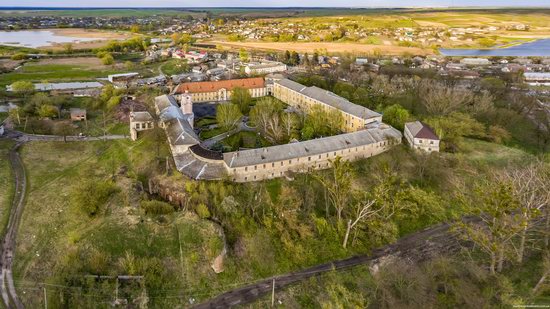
{"x": 415, "y": 248}
{"x": 7, "y": 288}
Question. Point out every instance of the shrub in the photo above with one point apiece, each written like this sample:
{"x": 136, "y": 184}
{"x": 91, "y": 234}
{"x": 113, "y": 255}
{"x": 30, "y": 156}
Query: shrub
{"x": 156, "y": 207}
{"x": 19, "y": 56}
{"x": 92, "y": 195}
{"x": 202, "y": 211}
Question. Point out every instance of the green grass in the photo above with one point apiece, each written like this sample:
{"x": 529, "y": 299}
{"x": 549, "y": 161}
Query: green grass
{"x": 6, "y": 183}
{"x": 244, "y": 139}
{"x": 493, "y": 154}
{"x": 206, "y": 134}
{"x": 51, "y": 73}
{"x": 54, "y": 231}
{"x": 174, "y": 67}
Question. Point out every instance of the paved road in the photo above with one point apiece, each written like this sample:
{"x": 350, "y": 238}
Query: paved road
{"x": 415, "y": 248}
{"x": 7, "y": 288}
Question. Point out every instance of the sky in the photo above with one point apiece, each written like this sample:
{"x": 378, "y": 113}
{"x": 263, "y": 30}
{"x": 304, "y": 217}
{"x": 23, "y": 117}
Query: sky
{"x": 272, "y": 3}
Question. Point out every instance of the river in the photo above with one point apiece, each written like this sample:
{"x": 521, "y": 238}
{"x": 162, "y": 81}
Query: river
{"x": 539, "y": 48}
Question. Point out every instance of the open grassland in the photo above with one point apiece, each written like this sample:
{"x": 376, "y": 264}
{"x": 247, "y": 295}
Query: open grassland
{"x": 54, "y": 234}
{"x": 335, "y": 47}
{"x": 6, "y": 183}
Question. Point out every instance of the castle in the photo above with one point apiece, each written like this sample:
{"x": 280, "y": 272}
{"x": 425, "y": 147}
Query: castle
{"x": 365, "y": 134}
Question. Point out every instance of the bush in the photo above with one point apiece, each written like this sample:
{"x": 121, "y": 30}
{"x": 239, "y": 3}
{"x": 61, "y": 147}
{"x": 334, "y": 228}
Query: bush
{"x": 202, "y": 211}
{"x": 92, "y": 195}
{"x": 156, "y": 207}
{"x": 19, "y": 56}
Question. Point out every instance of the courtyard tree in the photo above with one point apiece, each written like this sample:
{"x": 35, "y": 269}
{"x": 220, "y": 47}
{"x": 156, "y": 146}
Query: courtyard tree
{"x": 242, "y": 98}
{"x": 266, "y": 116}
{"x": 228, "y": 116}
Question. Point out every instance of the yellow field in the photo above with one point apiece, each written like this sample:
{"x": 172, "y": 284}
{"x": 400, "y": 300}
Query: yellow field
{"x": 332, "y": 47}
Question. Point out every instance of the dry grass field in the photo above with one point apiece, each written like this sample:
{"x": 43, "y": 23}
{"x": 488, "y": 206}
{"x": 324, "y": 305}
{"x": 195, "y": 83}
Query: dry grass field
{"x": 333, "y": 47}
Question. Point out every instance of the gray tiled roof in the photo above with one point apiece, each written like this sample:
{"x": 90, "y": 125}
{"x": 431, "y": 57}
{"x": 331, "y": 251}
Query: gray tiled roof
{"x": 178, "y": 128}
{"x": 330, "y": 99}
{"x": 310, "y": 148}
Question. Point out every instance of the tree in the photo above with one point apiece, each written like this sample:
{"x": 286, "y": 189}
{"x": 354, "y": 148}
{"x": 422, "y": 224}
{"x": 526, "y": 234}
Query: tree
{"x": 22, "y": 87}
{"x": 68, "y": 47}
{"x": 266, "y": 115}
{"x": 529, "y": 186}
{"x": 47, "y": 111}
{"x": 452, "y": 128}
{"x": 338, "y": 185}
{"x": 440, "y": 99}
{"x": 243, "y": 55}
{"x": 364, "y": 210}
{"x": 63, "y": 128}
{"x": 228, "y": 116}
{"x": 90, "y": 196}
{"x": 108, "y": 59}
{"x": 495, "y": 204}
{"x": 242, "y": 98}
{"x": 396, "y": 116}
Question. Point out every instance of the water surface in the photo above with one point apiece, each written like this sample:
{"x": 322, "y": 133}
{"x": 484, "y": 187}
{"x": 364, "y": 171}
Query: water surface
{"x": 37, "y": 38}
{"x": 539, "y": 48}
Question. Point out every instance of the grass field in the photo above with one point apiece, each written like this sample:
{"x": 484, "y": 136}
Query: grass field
{"x": 52, "y": 229}
{"x": 6, "y": 183}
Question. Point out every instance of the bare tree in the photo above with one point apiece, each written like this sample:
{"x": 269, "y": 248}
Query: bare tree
{"x": 440, "y": 99}
{"x": 364, "y": 210}
{"x": 530, "y": 187}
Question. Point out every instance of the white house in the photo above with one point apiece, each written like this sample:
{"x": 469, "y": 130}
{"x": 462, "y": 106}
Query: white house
{"x": 265, "y": 68}
{"x": 421, "y": 136}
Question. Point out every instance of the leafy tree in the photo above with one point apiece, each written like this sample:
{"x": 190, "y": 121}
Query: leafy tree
{"x": 338, "y": 185}
{"x": 266, "y": 117}
{"x": 228, "y": 116}
{"x": 19, "y": 56}
{"x": 242, "y": 98}
{"x": 396, "y": 116}
{"x": 108, "y": 59}
{"x": 243, "y": 55}
{"x": 47, "y": 111}
{"x": 22, "y": 87}
{"x": 495, "y": 205}
{"x": 452, "y": 128}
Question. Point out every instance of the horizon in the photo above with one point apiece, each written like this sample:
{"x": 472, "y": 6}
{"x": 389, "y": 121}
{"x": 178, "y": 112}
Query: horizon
{"x": 351, "y": 7}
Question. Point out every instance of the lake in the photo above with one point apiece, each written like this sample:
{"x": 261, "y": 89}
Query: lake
{"x": 37, "y": 38}
{"x": 539, "y": 48}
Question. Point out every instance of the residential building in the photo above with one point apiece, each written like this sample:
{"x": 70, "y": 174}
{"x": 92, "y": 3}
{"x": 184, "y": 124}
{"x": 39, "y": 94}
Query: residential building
{"x": 475, "y": 61}
{"x": 421, "y": 136}
{"x": 537, "y": 79}
{"x": 265, "y": 68}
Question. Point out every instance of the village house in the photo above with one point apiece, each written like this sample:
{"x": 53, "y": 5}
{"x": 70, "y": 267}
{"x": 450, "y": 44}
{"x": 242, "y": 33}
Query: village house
{"x": 265, "y": 68}
{"x": 217, "y": 91}
{"x": 475, "y": 61}
{"x": 78, "y": 114}
{"x": 422, "y": 137}
{"x": 140, "y": 121}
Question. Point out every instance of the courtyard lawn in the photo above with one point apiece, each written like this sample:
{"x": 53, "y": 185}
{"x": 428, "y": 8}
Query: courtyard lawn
{"x": 244, "y": 139}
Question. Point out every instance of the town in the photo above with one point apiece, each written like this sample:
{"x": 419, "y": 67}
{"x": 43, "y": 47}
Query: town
{"x": 302, "y": 158}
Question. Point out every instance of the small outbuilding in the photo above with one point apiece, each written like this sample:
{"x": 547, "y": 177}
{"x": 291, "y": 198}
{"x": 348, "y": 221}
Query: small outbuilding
{"x": 78, "y": 114}
{"x": 421, "y": 136}
{"x": 140, "y": 121}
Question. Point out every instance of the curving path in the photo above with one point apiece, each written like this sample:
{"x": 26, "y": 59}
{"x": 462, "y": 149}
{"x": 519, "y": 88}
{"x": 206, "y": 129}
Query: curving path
{"x": 7, "y": 249}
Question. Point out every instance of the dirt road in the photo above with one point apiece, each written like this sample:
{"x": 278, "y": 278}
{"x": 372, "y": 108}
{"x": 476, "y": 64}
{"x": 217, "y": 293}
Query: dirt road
{"x": 7, "y": 288}
{"x": 415, "y": 248}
